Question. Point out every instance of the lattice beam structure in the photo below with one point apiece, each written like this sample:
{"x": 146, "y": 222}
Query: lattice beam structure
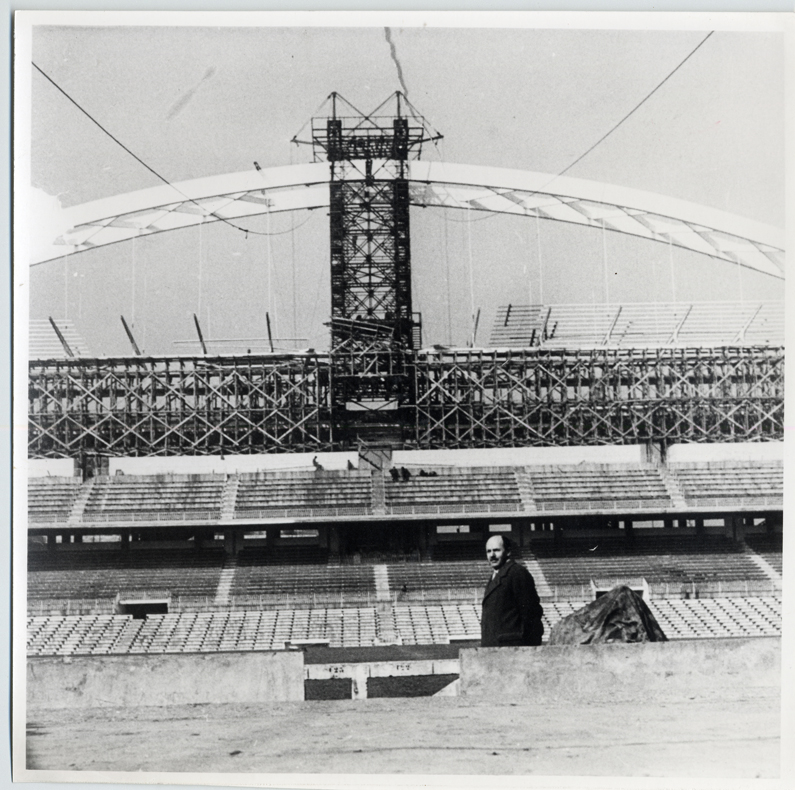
{"x": 542, "y": 196}
{"x": 179, "y": 406}
{"x": 478, "y": 398}
{"x": 468, "y": 398}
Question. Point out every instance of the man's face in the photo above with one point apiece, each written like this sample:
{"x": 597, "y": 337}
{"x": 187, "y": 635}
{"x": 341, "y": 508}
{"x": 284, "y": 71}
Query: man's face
{"x": 495, "y": 552}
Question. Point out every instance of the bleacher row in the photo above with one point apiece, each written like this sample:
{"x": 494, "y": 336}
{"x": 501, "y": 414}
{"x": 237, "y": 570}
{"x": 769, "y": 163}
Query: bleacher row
{"x": 210, "y": 498}
{"x": 657, "y": 559}
{"x": 672, "y": 560}
{"x": 638, "y": 325}
{"x": 361, "y": 627}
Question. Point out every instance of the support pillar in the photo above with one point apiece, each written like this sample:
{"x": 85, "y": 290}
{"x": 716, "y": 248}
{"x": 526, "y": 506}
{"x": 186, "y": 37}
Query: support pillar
{"x": 233, "y": 541}
{"x": 333, "y": 538}
{"x": 737, "y": 527}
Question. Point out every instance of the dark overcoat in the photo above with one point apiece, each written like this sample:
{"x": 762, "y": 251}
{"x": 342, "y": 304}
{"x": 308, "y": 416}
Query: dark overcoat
{"x": 511, "y": 609}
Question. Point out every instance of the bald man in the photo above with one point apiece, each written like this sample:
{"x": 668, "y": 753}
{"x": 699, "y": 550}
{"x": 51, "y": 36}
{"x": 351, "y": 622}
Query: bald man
{"x": 511, "y": 607}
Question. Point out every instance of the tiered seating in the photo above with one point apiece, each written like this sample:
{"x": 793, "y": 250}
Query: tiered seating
{"x": 460, "y": 551}
{"x": 430, "y": 625}
{"x": 96, "y": 634}
{"x": 679, "y": 619}
{"x": 50, "y": 499}
{"x": 687, "y": 559}
{"x": 43, "y": 343}
{"x": 572, "y": 487}
{"x": 437, "y": 624}
{"x": 715, "y": 483}
{"x": 199, "y": 632}
{"x": 359, "y": 627}
{"x": 471, "y": 490}
{"x": 284, "y": 555}
{"x": 430, "y": 576}
{"x": 638, "y": 325}
{"x": 103, "y": 574}
{"x": 770, "y": 547}
{"x": 304, "y": 493}
{"x": 253, "y": 577}
{"x": 144, "y": 498}
{"x": 718, "y": 617}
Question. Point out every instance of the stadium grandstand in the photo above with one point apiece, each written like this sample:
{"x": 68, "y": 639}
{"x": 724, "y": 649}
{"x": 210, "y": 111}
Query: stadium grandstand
{"x": 341, "y": 498}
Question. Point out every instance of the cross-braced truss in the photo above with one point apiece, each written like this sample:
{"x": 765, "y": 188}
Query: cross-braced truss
{"x": 468, "y": 398}
{"x": 605, "y": 396}
{"x": 185, "y": 406}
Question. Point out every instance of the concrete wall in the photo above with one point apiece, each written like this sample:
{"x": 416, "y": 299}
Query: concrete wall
{"x": 195, "y": 678}
{"x": 656, "y": 671}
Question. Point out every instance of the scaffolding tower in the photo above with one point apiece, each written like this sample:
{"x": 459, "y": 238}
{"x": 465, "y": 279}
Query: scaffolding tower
{"x": 369, "y": 220}
{"x": 372, "y": 323}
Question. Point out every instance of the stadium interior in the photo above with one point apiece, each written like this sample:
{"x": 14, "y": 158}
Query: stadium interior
{"x": 132, "y": 563}
{"x": 165, "y": 517}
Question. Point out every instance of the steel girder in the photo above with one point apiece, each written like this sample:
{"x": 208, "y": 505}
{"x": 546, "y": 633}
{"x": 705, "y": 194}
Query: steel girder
{"x": 185, "y": 406}
{"x": 604, "y": 396}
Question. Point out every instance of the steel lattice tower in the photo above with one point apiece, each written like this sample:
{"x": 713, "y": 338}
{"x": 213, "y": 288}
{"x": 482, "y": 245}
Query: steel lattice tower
{"x": 369, "y": 221}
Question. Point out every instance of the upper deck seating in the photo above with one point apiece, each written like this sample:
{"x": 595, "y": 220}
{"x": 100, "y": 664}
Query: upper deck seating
{"x": 639, "y": 325}
{"x": 466, "y": 490}
{"x": 50, "y": 499}
{"x": 581, "y": 487}
{"x": 658, "y": 559}
{"x": 162, "y": 497}
{"x": 770, "y": 547}
{"x": 307, "y": 493}
{"x": 103, "y": 574}
{"x": 715, "y": 483}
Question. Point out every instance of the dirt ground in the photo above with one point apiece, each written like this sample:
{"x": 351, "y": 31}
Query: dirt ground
{"x": 733, "y": 738}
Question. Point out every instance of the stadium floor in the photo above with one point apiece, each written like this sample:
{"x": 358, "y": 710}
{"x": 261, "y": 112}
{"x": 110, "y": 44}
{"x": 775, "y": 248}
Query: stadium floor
{"x": 733, "y": 737}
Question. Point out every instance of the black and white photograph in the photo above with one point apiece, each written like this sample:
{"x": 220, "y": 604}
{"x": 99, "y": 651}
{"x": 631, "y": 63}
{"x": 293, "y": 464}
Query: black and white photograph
{"x": 399, "y": 398}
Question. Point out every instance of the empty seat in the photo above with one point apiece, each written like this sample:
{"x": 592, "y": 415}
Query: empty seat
{"x": 50, "y": 499}
{"x": 316, "y": 493}
{"x": 715, "y": 483}
{"x": 472, "y": 489}
{"x": 136, "y": 498}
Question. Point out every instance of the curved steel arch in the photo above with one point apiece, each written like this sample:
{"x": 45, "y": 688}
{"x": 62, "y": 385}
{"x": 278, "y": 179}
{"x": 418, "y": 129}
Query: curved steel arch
{"x": 236, "y": 196}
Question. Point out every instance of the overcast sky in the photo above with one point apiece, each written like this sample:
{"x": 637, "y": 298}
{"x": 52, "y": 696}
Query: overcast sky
{"x": 197, "y": 102}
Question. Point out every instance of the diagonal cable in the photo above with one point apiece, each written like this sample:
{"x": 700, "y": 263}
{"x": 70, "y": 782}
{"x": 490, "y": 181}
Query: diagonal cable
{"x": 138, "y": 158}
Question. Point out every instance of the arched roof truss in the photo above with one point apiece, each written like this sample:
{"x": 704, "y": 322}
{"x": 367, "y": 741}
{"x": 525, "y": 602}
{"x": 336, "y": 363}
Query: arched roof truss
{"x": 238, "y": 196}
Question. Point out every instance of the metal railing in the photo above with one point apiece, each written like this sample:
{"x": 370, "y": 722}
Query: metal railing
{"x": 302, "y": 512}
{"x": 47, "y": 518}
{"x": 728, "y": 501}
{"x": 605, "y": 504}
{"x": 136, "y": 517}
{"x": 473, "y": 507}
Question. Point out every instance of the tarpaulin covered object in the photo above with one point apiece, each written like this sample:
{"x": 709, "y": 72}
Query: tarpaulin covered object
{"x": 620, "y": 615}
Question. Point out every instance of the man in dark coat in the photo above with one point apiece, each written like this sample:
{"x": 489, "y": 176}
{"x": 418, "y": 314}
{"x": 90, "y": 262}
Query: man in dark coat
{"x": 511, "y": 607}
